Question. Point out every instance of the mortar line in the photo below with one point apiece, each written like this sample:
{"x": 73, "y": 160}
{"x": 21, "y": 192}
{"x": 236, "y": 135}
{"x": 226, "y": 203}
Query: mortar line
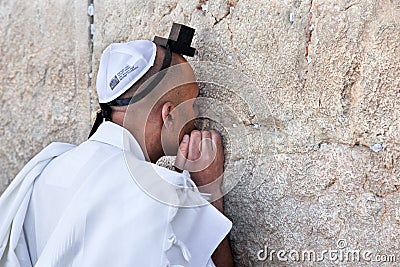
{"x": 90, "y": 59}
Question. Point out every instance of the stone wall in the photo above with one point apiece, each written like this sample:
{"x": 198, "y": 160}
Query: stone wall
{"x": 313, "y": 87}
{"x": 44, "y": 67}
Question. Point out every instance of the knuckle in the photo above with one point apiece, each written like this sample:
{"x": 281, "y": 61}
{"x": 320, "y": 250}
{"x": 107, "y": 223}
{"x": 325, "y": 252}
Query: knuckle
{"x": 206, "y": 133}
{"x": 206, "y": 157}
{"x": 182, "y": 151}
{"x": 195, "y": 133}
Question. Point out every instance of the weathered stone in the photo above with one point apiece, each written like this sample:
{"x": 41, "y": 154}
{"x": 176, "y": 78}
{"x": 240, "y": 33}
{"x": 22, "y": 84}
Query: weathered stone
{"x": 44, "y": 63}
{"x": 307, "y": 94}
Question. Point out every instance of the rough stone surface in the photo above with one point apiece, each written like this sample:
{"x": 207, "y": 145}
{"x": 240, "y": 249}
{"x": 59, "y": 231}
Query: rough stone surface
{"x": 44, "y": 56}
{"x": 310, "y": 96}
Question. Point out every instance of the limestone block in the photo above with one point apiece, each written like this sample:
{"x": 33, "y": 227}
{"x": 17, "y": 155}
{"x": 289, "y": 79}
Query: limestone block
{"x": 44, "y": 66}
{"x": 311, "y": 201}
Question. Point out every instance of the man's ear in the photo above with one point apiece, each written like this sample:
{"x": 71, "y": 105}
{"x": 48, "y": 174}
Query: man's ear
{"x": 166, "y": 113}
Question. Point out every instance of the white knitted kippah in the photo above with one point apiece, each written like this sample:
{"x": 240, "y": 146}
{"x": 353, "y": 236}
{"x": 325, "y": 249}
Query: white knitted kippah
{"x": 121, "y": 65}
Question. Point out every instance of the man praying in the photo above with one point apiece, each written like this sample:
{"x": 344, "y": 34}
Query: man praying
{"x": 105, "y": 202}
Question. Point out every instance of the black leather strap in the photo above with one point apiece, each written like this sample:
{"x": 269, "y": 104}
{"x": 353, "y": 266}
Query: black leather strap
{"x": 102, "y": 115}
{"x": 105, "y": 113}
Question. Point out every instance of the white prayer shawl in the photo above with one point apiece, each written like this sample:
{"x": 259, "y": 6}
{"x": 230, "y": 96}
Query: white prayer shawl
{"x": 81, "y": 206}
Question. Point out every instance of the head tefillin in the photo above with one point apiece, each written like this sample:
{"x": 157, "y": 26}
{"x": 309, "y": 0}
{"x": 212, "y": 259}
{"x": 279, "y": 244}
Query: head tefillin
{"x": 179, "y": 41}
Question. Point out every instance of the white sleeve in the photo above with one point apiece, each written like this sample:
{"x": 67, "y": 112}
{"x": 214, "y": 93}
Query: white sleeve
{"x": 210, "y": 263}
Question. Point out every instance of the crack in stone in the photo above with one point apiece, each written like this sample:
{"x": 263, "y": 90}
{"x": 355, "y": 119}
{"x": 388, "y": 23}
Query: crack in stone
{"x": 42, "y": 80}
{"x": 330, "y": 183}
{"x": 352, "y": 76}
{"x": 170, "y": 9}
{"x": 220, "y": 19}
{"x": 349, "y": 6}
{"x": 309, "y": 31}
{"x": 229, "y": 6}
{"x": 315, "y": 147}
{"x": 379, "y": 195}
{"x": 233, "y": 44}
{"x": 90, "y": 15}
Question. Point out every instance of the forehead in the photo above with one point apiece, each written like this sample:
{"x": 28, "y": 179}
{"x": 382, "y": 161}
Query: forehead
{"x": 193, "y": 89}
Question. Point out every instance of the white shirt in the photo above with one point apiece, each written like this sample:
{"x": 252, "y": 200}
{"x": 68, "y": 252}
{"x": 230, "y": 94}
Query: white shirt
{"x": 98, "y": 204}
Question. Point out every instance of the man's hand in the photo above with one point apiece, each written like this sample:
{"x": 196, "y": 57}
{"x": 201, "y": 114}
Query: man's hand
{"x": 202, "y": 155}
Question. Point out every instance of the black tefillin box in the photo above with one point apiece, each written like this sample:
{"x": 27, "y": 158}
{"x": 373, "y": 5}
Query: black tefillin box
{"x": 179, "y": 40}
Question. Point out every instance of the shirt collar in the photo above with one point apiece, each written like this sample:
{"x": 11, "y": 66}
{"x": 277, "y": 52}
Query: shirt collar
{"x": 116, "y": 135}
